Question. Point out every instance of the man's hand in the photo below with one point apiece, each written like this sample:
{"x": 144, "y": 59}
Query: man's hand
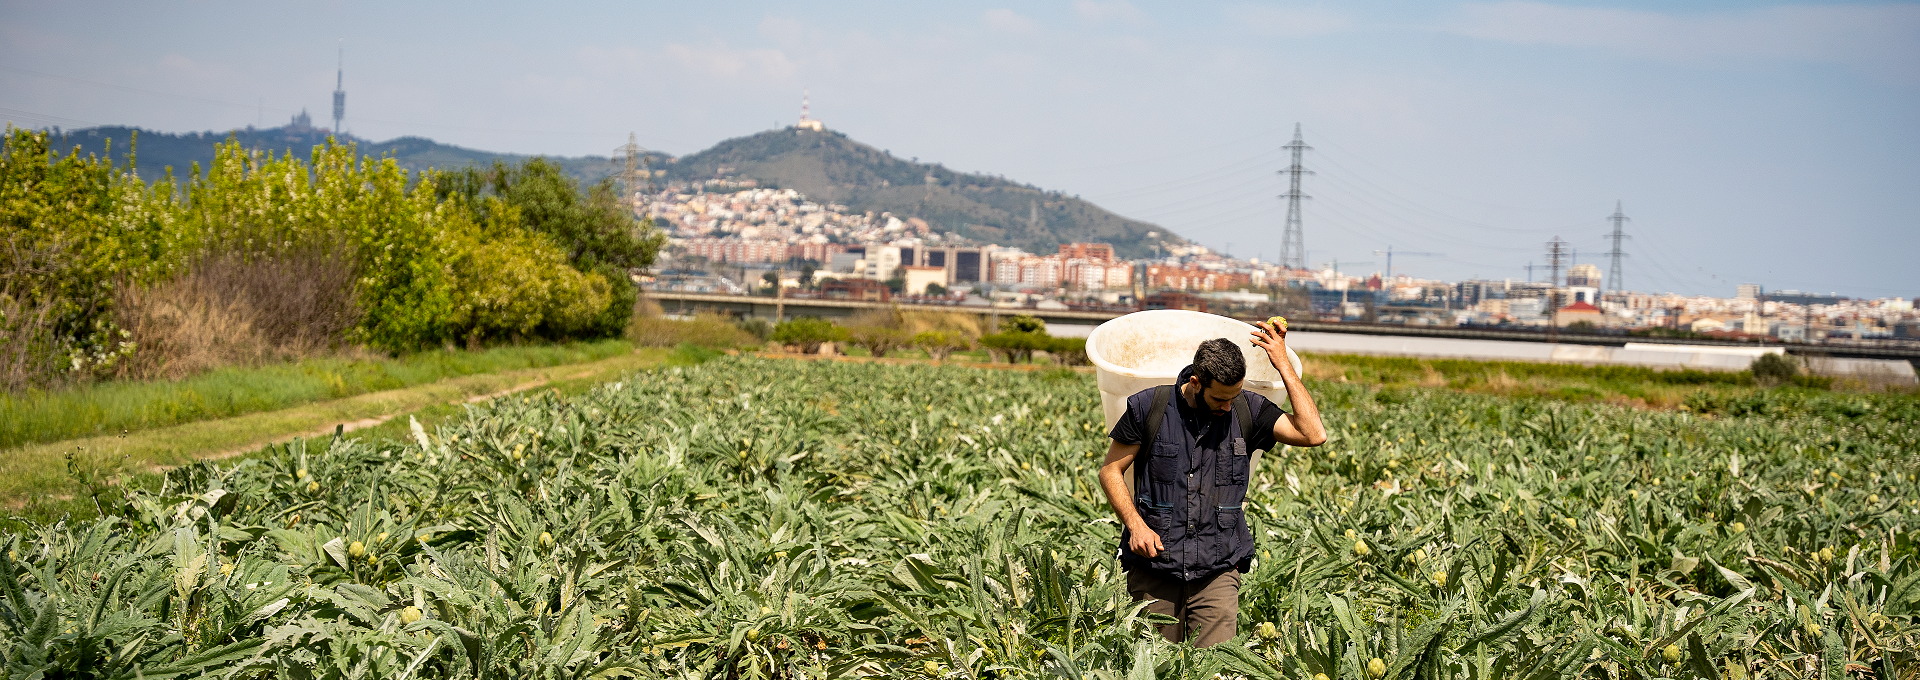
{"x": 1143, "y": 542}
{"x": 1273, "y": 339}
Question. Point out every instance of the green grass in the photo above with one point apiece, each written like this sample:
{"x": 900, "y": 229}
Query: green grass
{"x": 1627, "y": 385}
{"x": 109, "y": 408}
{"x": 52, "y": 481}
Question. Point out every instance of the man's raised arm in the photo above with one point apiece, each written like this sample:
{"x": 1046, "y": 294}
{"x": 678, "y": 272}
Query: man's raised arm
{"x": 1302, "y": 427}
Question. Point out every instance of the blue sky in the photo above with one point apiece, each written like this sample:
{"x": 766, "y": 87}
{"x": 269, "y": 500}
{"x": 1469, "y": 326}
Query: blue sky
{"x": 1748, "y": 141}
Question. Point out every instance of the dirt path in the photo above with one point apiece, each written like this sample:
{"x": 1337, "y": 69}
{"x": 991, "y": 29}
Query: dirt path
{"x": 37, "y": 474}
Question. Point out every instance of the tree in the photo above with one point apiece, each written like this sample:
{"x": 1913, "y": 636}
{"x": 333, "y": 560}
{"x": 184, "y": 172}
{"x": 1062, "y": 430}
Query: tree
{"x": 808, "y": 333}
{"x": 878, "y": 340}
{"x": 595, "y": 229}
{"x": 936, "y": 290}
{"x": 939, "y": 344}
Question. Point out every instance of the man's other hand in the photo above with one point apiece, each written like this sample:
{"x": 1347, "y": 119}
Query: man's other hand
{"x": 1143, "y": 542}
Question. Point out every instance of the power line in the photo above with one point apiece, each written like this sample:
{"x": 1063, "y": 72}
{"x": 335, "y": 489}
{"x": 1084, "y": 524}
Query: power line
{"x": 1389, "y": 195}
{"x": 1205, "y": 176}
{"x": 1238, "y": 192}
{"x": 1407, "y": 226}
{"x": 1382, "y": 170}
{"x": 44, "y": 117}
{"x": 1130, "y": 161}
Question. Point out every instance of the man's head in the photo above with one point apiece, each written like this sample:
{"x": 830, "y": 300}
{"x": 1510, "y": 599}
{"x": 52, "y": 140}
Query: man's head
{"x": 1218, "y": 370}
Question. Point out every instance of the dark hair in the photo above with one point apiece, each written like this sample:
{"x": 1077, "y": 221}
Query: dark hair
{"x": 1218, "y": 361}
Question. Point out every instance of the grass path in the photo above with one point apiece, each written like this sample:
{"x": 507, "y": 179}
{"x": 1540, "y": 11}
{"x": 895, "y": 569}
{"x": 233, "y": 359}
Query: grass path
{"x": 35, "y": 480}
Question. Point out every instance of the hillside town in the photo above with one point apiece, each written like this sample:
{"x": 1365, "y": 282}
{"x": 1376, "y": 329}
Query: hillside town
{"x": 733, "y": 236}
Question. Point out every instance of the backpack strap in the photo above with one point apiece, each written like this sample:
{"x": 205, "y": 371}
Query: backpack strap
{"x": 1157, "y": 413}
{"x": 1243, "y": 414}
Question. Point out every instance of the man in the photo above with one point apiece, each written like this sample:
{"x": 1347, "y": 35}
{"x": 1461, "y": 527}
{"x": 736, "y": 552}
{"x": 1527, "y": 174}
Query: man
{"x": 1185, "y": 541}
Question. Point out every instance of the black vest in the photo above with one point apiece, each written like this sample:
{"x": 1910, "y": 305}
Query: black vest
{"x": 1190, "y": 489}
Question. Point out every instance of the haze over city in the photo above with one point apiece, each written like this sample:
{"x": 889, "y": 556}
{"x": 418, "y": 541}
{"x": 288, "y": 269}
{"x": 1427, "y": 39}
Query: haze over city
{"x": 1764, "y": 143}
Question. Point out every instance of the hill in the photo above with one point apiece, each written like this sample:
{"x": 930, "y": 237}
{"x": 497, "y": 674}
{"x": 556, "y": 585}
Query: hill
{"x": 161, "y": 150}
{"x": 830, "y": 167}
{"x": 825, "y": 165}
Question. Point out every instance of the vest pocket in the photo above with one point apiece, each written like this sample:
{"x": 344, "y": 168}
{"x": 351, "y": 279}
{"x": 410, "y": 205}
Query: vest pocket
{"x": 1227, "y": 516}
{"x": 1157, "y": 515}
{"x": 1165, "y": 462}
{"x": 1234, "y": 463}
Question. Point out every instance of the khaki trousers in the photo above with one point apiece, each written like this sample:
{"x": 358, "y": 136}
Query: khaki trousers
{"x": 1209, "y": 605}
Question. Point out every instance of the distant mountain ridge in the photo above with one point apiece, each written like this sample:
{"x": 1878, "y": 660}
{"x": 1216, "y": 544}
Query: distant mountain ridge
{"x": 158, "y": 151}
{"x": 828, "y": 166}
{"x": 825, "y": 165}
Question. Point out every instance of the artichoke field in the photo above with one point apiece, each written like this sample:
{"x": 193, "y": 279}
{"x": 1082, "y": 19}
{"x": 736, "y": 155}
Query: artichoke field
{"x": 749, "y": 518}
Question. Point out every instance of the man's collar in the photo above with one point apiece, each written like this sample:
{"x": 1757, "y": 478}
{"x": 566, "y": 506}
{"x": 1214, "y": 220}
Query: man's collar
{"x": 1180, "y": 392}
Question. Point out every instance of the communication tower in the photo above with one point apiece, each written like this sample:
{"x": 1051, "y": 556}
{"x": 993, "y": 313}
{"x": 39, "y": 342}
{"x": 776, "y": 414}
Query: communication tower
{"x": 1293, "y": 247}
{"x": 340, "y": 93}
{"x": 806, "y": 118}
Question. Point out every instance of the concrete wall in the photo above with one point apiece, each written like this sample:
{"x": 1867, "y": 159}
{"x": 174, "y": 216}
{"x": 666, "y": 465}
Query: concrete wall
{"x": 1662, "y": 356}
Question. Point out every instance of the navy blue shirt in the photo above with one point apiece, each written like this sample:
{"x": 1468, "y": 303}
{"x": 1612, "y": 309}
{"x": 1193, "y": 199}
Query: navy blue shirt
{"x": 1133, "y": 424}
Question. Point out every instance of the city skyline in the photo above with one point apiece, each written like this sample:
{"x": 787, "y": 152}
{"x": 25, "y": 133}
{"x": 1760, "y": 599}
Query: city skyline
{"x": 1764, "y": 144}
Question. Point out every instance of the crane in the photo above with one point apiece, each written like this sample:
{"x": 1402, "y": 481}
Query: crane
{"x": 1335, "y": 266}
{"x": 1390, "y": 252}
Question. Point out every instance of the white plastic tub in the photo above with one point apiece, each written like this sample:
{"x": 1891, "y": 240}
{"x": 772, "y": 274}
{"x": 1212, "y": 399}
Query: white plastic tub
{"x": 1144, "y": 349}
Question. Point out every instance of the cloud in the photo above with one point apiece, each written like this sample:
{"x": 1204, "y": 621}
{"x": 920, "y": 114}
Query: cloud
{"x": 1009, "y": 21}
{"x": 1869, "y": 35}
{"x": 1113, "y": 10}
{"x": 721, "y": 61}
{"x": 1289, "y": 21}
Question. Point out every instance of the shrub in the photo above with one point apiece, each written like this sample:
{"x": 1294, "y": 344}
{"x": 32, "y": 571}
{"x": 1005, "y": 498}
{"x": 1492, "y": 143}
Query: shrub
{"x": 1773, "y": 369}
{"x": 1068, "y": 351}
{"x": 758, "y": 327}
{"x": 71, "y": 230}
{"x": 706, "y": 330}
{"x": 1015, "y": 346}
{"x": 228, "y": 309}
{"x": 30, "y": 353}
{"x": 1021, "y": 323}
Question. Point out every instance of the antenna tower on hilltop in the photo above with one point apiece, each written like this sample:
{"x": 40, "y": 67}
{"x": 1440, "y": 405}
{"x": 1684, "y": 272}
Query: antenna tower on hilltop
{"x": 340, "y": 93}
{"x": 806, "y": 115}
{"x": 1293, "y": 246}
{"x": 1619, "y": 219}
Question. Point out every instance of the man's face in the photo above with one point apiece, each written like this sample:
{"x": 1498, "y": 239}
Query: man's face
{"x": 1218, "y": 397}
